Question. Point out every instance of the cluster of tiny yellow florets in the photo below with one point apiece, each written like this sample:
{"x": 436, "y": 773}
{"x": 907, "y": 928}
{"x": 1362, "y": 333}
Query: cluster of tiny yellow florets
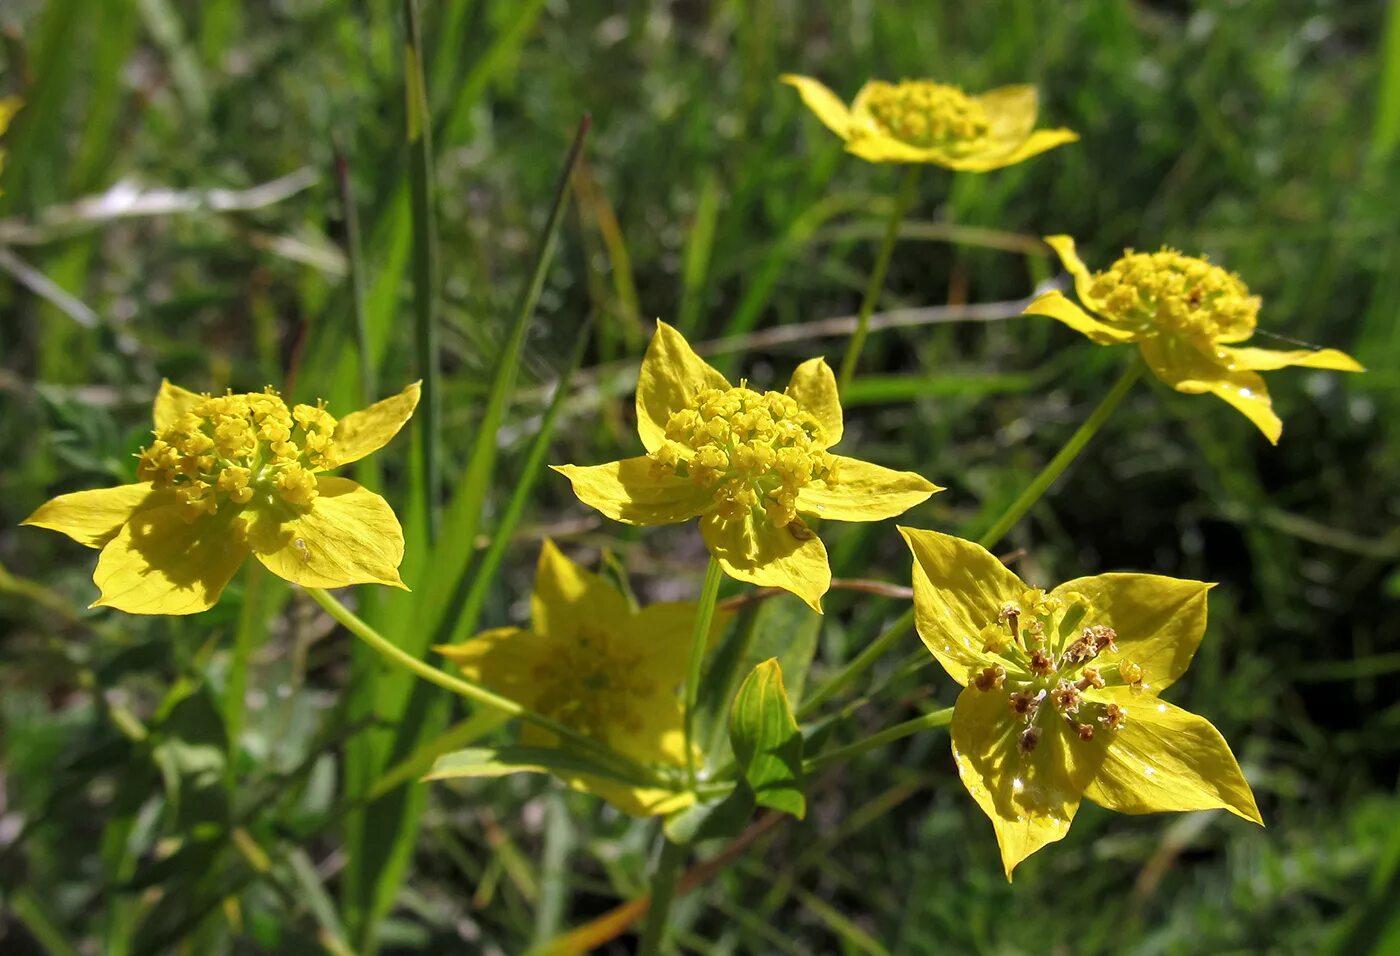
{"x": 922, "y": 113}
{"x": 1045, "y": 650}
{"x": 227, "y": 449}
{"x": 1169, "y": 292}
{"x": 756, "y": 450}
{"x": 594, "y": 684}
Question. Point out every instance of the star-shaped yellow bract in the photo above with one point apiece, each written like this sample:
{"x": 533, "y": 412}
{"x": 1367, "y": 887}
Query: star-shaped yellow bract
{"x": 1059, "y": 697}
{"x": 748, "y": 464}
{"x": 1187, "y": 316}
{"x": 229, "y": 475}
{"x": 593, "y": 664}
{"x": 920, "y": 121}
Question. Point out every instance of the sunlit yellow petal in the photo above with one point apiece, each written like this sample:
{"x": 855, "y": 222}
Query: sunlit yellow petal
{"x": 814, "y": 387}
{"x": 959, "y": 588}
{"x": 566, "y": 596}
{"x": 1038, "y": 142}
{"x": 350, "y": 536}
{"x": 1187, "y": 370}
{"x": 1069, "y": 258}
{"x": 635, "y": 491}
{"x": 864, "y": 492}
{"x": 370, "y": 429}
{"x": 94, "y": 517}
{"x": 1030, "y": 798}
{"x": 1166, "y": 758}
{"x": 503, "y": 659}
{"x": 159, "y": 563}
{"x": 1011, "y": 112}
{"x": 821, "y": 101}
{"x": 1159, "y": 621}
{"x": 876, "y": 147}
{"x": 669, "y": 379}
{"x": 1265, "y": 360}
{"x": 172, "y": 401}
{"x": 791, "y": 558}
{"x": 1056, "y": 306}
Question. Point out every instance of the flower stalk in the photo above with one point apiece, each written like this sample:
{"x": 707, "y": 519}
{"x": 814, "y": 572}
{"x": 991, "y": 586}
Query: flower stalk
{"x": 903, "y": 199}
{"x": 699, "y": 638}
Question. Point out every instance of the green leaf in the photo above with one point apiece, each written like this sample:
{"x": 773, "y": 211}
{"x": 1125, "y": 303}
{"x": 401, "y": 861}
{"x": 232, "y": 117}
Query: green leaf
{"x": 501, "y": 761}
{"x": 766, "y": 741}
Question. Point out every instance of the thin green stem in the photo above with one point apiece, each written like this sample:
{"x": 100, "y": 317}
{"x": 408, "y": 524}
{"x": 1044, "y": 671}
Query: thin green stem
{"x": 354, "y": 258}
{"x": 663, "y": 893}
{"x": 466, "y": 688}
{"x": 1037, "y": 488}
{"x": 937, "y": 718}
{"x": 876, "y": 284}
{"x": 420, "y": 181}
{"x": 699, "y": 637}
{"x": 858, "y": 665}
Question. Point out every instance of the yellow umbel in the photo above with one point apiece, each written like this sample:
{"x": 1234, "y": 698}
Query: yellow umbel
{"x": 756, "y": 450}
{"x": 229, "y": 449}
{"x": 923, "y": 113}
{"x": 1169, "y": 292}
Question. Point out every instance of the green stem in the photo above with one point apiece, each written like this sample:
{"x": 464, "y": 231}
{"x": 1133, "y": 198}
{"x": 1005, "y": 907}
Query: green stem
{"x": 355, "y": 264}
{"x": 858, "y": 665}
{"x": 1037, "y": 488}
{"x": 420, "y": 182}
{"x": 877, "y": 275}
{"x": 663, "y": 893}
{"x": 699, "y": 637}
{"x": 938, "y": 718}
{"x": 467, "y": 689}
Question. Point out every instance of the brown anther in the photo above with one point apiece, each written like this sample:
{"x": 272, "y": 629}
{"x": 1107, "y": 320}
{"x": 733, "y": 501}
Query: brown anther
{"x": 1085, "y": 731}
{"x": 1113, "y": 717}
{"x": 990, "y": 677}
{"x": 1082, "y": 649}
{"x": 1066, "y": 697}
{"x": 1011, "y": 616}
{"x": 1029, "y": 738}
{"x": 1022, "y": 704}
{"x": 1103, "y": 637}
{"x": 1091, "y": 678}
{"x": 1041, "y": 663}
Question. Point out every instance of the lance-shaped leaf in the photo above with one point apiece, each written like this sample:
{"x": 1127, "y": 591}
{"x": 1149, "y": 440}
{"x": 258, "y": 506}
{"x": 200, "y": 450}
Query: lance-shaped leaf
{"x": 500, "y": 761}
{"x": 766, "y": 741}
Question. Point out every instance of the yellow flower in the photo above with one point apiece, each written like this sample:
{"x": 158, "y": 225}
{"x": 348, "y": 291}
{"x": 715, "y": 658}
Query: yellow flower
{"x": 749, "y": 464}
{"x": 227, "y": 475}
{"x": 591, "y": 663}
{"x": 1187, "y": 316}
{"x": 1060, "y": 688}
{"x": 9, "y": 106}
{"x": 920, "y": 121}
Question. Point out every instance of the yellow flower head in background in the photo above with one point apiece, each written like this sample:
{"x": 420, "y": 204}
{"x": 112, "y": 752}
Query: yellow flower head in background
{"x": 593, "y": 664}
{"x": 232, "y": 474}
{"x": 749, "y": 464}
{"x": 920, "y": 121}
{"x": 9, "y": 106}
{"x": 1186, "y": 315}
{"x": 1060, "y": 688}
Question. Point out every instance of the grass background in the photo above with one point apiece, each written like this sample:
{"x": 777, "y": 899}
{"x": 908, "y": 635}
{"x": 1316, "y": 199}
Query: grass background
{"x": 205, "y": 785}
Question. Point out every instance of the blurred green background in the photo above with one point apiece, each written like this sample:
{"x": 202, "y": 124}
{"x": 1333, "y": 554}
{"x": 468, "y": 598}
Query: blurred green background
{"x": 171, "y": 208}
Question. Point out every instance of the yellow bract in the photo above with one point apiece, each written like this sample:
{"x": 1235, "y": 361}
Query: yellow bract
{"x": 227, "y": 475}
{"x": 1060, "y": 688}
{"x": 1186, "y": 315}
{"x": 919, "y": 121}
{"x": 749, "y": 464}
{"x": 591, "y": 663}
